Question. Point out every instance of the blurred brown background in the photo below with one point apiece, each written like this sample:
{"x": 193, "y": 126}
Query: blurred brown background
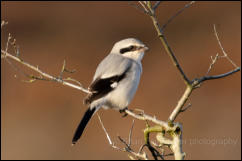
{"x": 38, "y": 120}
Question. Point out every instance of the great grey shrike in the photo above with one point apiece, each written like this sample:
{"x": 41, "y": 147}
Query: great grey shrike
{"x": 115, "y": 81}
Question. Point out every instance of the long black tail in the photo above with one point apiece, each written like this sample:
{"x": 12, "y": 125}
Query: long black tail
{"x": 87, "y": 116}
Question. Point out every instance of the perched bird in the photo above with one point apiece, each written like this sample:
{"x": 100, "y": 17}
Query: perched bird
{"x": 115, "y": 81}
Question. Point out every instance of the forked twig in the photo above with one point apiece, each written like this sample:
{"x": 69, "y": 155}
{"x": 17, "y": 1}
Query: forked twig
{"x": 221, "y": 47}
{"x": 127, "y": 147}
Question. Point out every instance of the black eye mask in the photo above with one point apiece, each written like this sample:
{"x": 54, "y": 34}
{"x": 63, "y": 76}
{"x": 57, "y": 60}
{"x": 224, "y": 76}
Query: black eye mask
{"x": 130, "y": 48}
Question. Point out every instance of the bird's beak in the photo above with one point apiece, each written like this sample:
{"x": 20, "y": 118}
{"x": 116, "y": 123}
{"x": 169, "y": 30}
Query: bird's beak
{"x": 144, "y": 48}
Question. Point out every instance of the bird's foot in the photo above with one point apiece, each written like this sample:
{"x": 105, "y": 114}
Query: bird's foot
{"x": 122, "y": 111}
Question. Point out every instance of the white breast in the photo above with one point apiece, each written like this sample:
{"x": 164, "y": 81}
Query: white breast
{"x": 125, "y": 90}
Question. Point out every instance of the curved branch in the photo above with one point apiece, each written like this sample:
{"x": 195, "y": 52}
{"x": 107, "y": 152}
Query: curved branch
{"x": 205, "y": 78}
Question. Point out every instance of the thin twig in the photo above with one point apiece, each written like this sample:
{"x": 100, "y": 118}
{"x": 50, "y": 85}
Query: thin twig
{"x": 175, "y": 15}
{"x": 225, "y": 55}
{"x": 164, "y": 41}
{"x": 130, "y": 133}
{"x": 221, "y": 47}
{"x": 154, "y": 152}
{"x": 144, "y": 6}
{"x": 142, "y": 147}
{"x": 214, "y": 60}
{"x": 169, "y": 50}
{"x": 127, "y": 146}
{"x": 3, "y": 23}
{"x": 73, "y": 80}
{"x": 46, "y": 75}
{"x": 184, "y": 109}
{"x": 144, "y": 117}
{"x": 205, "y": 78}
{"x": 63, "y": 69}
{"x": 156, "y": 5}
{"x": 108, "y": 137}
{"x": 8, "y": 41}
{"x": 138, "y": 8}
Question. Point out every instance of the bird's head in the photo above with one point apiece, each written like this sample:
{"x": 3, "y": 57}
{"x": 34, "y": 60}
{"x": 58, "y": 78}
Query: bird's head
{"x": 131, "y": 48}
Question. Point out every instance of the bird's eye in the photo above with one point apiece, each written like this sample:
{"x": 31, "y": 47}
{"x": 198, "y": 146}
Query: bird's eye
{"x": 131, "y": 47}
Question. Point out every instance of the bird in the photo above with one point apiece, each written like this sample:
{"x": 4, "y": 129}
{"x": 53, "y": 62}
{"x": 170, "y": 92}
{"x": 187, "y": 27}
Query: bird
{"x": 115, "y": 81}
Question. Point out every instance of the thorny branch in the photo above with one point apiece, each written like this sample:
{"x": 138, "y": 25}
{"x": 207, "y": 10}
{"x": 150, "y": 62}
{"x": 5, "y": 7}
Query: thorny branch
{"x": 162, "y": 127}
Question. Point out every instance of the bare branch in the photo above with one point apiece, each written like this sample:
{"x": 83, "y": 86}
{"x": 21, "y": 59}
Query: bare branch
{"x": 8, "y": 41}
{"x": 142, "y": 147}
{"x": 66, "y": 70}
{"x": 213, "y": 62}
{"x": 63, "y": 69}
{"x": 154, "y": 152}
{"x": 3, "y": 23}
{"x": 138, "y": 8}
{"x": 183, "y": 110}
{"x": 176, "y": 146}
{"x": 163, "y": 141}
{"x": 144, "y": 6}
{"x": 171, "y": 128}
{"x": 181, "y": 103}
{"x": 197, "y": 81}
{"x": 225, "y": 54}
{"x": 169, "y": 50}
{"x": 144, "y": 117}
{"x": 156, "y": 5}
{"x": 205, "y": 78}
{"x": 130, "y": 133}
{"x": 147, "y": 6}
{"x": 127, "y": 146}
{"x": 16, "y": 68}
{"x": 73, "y": 80}
{"x": 108, "y": 137}
{"x": 5, "y": 54}
{"x": 175, "y": 15}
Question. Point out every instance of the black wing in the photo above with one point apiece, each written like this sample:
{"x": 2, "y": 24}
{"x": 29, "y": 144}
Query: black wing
{"x": 100, "y": 87}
